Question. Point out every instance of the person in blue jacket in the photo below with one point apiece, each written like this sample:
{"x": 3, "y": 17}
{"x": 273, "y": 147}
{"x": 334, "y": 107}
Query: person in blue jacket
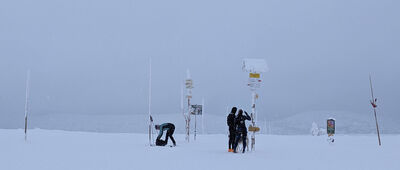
{"x": 170, "y": 128}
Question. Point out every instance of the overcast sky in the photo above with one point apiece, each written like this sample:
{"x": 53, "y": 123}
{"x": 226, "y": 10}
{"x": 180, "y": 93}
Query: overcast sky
{"x": 92, "y": 56}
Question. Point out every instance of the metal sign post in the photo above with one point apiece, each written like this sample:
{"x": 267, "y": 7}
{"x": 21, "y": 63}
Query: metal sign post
{"x": 196, "y": 110}
{"x": 255, "y": 67}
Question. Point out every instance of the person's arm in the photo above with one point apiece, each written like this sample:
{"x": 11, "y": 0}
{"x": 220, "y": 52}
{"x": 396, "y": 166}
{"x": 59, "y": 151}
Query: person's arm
{"x": 228, "y": 120}
{"x": 160, "y": 133}
{"x": 247, "y": 116}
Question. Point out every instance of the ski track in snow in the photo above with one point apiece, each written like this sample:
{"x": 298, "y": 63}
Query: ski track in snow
{"x": 62, "y": 150}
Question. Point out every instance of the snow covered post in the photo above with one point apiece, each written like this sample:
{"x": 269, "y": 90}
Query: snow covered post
{"x": 27, "y": 93}
{"x": 254, "y": 67}
{"x": 189, "y": 87}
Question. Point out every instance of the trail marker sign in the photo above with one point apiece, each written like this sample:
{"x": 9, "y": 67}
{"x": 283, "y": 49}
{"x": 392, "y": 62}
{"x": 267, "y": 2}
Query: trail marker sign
{"x": 197, "y": 109}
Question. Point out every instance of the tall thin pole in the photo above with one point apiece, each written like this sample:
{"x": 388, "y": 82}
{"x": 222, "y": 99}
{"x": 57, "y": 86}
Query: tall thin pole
{"x": 202, "y": 116}
{"x": 182, "y": 107}
{"x": 189, "y": 86}
{"x": 27, "y": 93}
{"x": 188, "y": 121}
{"x": 195, "y": 126}
{"x": 187, "y": 118}
{"x": 374, "y": 105}
{"x": 150, "y": 118}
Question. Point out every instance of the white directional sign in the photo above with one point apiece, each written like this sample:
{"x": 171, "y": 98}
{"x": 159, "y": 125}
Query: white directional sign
{"x": 189, "y": 83}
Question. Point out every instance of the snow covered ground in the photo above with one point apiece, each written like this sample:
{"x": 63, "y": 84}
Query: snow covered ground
{"x": 51, "y": 149}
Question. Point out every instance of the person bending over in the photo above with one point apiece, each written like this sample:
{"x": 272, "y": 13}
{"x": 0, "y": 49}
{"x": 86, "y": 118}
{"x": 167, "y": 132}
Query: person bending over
{"x": 170, "y": 128}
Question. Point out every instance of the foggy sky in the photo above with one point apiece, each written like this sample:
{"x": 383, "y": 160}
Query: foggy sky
{"x": 92, "y": 57}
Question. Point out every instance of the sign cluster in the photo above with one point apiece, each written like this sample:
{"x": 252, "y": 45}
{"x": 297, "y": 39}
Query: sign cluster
{"x": 254, "y": 81}
{"x": 189, "y": 87}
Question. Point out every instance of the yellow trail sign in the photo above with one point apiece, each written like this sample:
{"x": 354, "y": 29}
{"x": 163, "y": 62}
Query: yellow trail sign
{"x": 254, "y": 129}
{"x": 254, "y": 75}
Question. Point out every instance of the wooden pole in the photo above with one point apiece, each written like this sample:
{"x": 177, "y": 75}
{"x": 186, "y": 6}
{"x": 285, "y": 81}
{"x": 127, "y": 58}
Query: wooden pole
{"x": 150, "y": 118}
{"x": 374, "y": 105}
{"x": 27, "y": 93}
{"x": 195, "y": 126}
{"x": 377, "y": 128}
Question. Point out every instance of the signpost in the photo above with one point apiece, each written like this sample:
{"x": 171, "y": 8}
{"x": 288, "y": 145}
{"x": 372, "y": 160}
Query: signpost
{"x": 196, "y": 110}
{"x": 254, "y": 67}
{"x": 189, "y": 87}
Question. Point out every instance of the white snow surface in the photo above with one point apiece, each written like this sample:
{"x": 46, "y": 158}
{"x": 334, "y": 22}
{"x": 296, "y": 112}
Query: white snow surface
{"x": 63, "y": 150}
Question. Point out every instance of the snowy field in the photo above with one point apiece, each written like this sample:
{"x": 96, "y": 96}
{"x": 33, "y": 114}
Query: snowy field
{"x": 62, "y": 150}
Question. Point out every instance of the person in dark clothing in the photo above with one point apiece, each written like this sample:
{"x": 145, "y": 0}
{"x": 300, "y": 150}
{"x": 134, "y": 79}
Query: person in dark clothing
{"x": 170, "y": 128}
{"x": 241, "y": 129}
{"x": 232, "y": 129}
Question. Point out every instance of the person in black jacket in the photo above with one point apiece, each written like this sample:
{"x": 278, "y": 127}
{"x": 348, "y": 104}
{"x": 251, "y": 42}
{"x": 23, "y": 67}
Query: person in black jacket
{"x": 232, "y": 129}
{"x": 241, "y": 129}
{"x": 170, "y": 128}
